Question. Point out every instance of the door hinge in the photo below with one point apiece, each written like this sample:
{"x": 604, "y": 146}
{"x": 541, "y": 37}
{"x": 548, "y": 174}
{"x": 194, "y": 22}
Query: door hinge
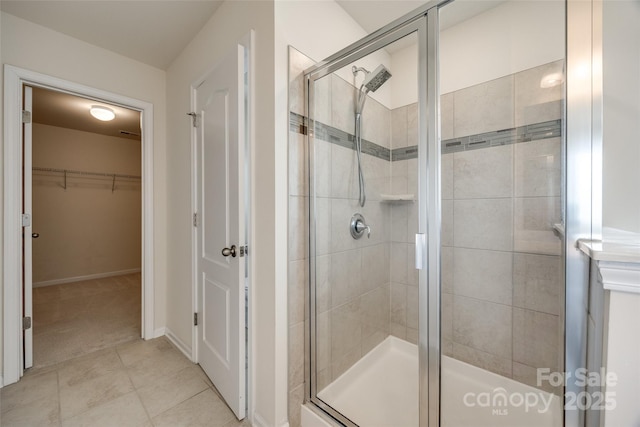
{"x": 26, "y": 116}
{"x": 26, "y": 323}
{"x": 195, "y": 219}
{"x": 26, "y": 220}
{"x": 194, "y": 119}
{"x": 195, "y": 319}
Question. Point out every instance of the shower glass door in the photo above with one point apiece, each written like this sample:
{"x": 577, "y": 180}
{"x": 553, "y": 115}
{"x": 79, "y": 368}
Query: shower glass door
{"x": 501, "y": 76}
{"x": 436, "y": 269}
{"x": 363, "y": 150}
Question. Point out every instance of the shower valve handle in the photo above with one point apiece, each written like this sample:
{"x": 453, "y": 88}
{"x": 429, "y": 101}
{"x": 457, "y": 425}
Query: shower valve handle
{"x": 361, "y": 226}
{"x": 358, "y": 226}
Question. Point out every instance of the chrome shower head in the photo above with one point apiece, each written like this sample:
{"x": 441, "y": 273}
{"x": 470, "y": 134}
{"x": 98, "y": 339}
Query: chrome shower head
{"x": 375, "y": 79}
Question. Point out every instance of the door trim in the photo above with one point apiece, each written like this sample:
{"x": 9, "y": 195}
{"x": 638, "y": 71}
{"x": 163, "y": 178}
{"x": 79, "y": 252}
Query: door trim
{"x": 14, "y": 78}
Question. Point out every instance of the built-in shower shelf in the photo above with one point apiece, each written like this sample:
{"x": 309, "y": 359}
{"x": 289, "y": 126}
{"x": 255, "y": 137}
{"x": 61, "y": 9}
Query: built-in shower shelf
{"x": 398, "y": 197}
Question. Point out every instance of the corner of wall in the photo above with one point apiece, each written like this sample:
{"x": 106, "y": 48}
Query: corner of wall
{"x": 181, "y": 345}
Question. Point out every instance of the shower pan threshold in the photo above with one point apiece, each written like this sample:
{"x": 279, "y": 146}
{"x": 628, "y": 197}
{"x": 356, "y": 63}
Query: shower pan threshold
{"x": 381, "y": 390}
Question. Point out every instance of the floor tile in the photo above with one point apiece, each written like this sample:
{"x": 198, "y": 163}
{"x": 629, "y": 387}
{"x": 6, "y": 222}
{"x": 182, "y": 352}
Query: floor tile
{"x": 137, "y": 350}
{"x": 88, "y": 367}
{"x": 169, "y": 391}
{"x": 91, "y": 393}
{"x": 125, "y": 411}
{"x": 41, "y": 413}
{"x": 90, "y": 372}
{"x": 154, "y": 368}
{"x": 28, "y": 391}
{"x": 204, "y": 409}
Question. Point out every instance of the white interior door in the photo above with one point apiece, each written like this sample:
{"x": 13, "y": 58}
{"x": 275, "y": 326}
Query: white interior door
{"x": 27, "y": 229}
{"x": 220, "y": 121}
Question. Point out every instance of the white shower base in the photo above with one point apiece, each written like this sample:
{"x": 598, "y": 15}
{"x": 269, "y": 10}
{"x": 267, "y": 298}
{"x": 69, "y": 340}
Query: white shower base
{"x": 381, "y": 390}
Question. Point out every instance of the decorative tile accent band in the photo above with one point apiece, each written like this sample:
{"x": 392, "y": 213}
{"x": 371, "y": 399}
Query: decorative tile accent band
{"x": 544, "y": 130}
{"x": 404, "y": 153}
{"x": 298, "y": 123}
{"x": 534, "y": 132}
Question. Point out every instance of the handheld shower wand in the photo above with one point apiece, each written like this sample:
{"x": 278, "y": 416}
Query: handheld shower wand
{"x": 372, "y": 82}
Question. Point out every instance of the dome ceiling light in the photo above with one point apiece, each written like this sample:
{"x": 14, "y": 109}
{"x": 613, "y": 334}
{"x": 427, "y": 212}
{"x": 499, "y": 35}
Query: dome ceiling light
{"x": 102, "y": 113}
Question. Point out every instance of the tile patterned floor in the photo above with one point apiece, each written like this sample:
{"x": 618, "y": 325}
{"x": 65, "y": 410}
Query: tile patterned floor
{"x": 139, "y": 383}
{"x": 78, "y": 318}
{"x": 92, "y": 369}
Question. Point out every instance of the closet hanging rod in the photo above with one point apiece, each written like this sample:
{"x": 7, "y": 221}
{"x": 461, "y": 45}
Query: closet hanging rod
{"x": 68, "y": 171}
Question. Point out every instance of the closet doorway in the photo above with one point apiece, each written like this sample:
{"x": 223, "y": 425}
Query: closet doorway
{"x": 86, "y": 224}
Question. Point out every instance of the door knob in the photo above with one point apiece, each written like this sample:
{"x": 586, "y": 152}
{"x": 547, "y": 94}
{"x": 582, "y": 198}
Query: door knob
{"x": 229, "y": 251}
{"x": 35, "y": 235}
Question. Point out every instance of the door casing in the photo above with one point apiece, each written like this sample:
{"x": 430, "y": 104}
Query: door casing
{"x": 14, "y": 79}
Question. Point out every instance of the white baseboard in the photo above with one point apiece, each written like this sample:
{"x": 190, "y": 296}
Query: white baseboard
{"x": 1, "y": 381}
{"x": 87, "y": 277}
{"x": 160, "y": 332}
{"x": 184, "y": 348}
{"x": 258, "y": 421}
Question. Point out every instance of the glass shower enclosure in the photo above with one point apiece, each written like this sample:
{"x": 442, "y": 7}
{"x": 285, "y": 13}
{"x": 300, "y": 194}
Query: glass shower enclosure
{"x": 436, "y": 274}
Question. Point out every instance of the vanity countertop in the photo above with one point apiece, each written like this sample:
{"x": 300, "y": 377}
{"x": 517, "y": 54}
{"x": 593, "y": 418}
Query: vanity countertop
{"x": 617, "y": 246}
{"x": 609, "y": 251}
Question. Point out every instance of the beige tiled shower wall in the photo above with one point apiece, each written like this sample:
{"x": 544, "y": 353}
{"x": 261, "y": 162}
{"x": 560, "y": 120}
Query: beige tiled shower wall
{"x": 352, "y": 276}
{"x": 501, "y": 266}
{"x": 404, "y": 226}
{"x": 499, "y": 205}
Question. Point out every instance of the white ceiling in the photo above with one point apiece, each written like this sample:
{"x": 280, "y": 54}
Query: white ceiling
{"x": 156, "y": 31}
{"x": 150, "y": 31}
{"x": 375, "y": 14}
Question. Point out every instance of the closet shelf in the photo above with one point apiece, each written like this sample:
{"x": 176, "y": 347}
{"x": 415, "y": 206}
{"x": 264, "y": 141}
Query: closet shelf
{"x": 65, "y": 172}
{"x": 74, "y": 172}
{"x": 398, "y": 197}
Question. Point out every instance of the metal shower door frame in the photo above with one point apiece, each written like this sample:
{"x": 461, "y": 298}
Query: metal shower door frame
{"x": 424, "y": 22}
{"x": 582, "y": 219}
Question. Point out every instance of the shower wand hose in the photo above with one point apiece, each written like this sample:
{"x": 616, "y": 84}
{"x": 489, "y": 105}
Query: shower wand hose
{"x": 362, "y": 197}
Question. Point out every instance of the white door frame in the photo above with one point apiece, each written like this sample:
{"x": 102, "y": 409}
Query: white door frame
{"x": 247, "y": 42}
{"x": 14, "y": 79}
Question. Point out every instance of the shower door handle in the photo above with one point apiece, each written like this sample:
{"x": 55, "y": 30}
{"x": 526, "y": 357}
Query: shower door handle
{"x": 420, "y": 247}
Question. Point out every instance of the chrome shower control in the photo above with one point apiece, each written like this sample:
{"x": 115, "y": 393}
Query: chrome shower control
{"x": 358, "y": 227}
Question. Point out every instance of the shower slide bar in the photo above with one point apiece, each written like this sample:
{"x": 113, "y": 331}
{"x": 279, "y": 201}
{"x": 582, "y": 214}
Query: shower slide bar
{"x": 65, "y": 172}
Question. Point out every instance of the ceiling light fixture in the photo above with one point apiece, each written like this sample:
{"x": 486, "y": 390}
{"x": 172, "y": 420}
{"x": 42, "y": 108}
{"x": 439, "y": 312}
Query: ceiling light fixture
{"x": 551, "y": 80}
{"x": 102, "y": 113}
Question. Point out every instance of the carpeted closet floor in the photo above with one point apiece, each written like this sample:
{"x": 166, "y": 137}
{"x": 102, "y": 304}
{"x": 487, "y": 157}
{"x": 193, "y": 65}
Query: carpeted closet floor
{"x": 74, "y": 319}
